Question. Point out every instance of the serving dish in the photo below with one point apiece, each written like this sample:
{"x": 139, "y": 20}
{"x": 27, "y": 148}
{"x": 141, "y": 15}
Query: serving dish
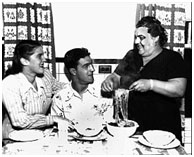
{"x": 125, "y": 128}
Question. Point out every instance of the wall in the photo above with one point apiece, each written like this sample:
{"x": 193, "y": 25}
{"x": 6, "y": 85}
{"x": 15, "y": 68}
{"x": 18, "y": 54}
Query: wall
{"x": 105, "y": 28}
{"x": 188, "y": 7}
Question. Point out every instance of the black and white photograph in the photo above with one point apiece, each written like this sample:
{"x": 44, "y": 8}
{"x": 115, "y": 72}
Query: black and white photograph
{"x": 96, "y": 77}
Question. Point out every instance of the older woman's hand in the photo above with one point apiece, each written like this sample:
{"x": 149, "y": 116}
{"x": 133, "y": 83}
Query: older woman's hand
{"x": 141, "y": 85}
{"x": 110, "y": 83}
{"x": 172, "y": 88}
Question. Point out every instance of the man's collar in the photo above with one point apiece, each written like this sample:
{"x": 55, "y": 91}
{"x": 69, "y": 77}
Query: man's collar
{"x": 89, "y": 89}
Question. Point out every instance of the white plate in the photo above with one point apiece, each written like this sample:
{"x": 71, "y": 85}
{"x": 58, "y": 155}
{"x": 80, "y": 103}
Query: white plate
{"x": 174, "y": 144}
{"x": 159, "y": 137}
{"x": 26, "y": 135}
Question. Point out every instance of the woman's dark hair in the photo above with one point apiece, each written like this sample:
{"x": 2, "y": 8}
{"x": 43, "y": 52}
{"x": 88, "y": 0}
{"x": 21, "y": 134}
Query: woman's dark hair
{"x": 154, "y": 28}
{"x": 24, "y": 49}
{"x": 73, "y": 56}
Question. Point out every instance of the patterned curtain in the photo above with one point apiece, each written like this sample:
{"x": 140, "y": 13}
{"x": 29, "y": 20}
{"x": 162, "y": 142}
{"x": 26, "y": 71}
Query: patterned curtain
{"x": 172, "y": 17}
{"x": 23, "y": 21}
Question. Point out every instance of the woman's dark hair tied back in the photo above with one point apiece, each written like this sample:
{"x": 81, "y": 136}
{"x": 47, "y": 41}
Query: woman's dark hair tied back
{"x": 23, "y": 49}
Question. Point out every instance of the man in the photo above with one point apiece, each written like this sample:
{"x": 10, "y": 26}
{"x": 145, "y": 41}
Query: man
{"x": 79, "y": 98}
{"x": 157, "y": 77}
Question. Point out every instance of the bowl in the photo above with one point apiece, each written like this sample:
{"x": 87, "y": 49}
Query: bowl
{"x": 89, "y": 126}
{"x": 126, "y": 129}
{"x": 88, "y": 130}
{"x": 158, "y": 137}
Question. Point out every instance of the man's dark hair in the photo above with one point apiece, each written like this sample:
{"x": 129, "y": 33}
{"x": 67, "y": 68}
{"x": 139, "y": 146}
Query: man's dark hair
{"x": 73, "y": 56}
{"x": 154, "y": 28}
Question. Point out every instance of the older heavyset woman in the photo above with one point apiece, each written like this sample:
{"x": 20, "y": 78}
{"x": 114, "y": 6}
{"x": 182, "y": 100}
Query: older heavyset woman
{"x": 158, "y": 77}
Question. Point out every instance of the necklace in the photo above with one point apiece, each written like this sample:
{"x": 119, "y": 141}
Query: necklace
{"x": 141, "y": 68}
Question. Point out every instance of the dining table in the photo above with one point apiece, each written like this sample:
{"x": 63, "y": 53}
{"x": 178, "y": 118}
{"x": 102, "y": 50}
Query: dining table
{"x": 52, "y": 143}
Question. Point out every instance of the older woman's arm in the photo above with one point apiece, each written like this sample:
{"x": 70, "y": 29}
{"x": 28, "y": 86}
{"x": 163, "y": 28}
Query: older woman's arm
{"x": 172, "y": 88}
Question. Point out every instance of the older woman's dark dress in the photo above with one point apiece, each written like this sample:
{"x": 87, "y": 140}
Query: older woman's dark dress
{"x": 152, "y": 110}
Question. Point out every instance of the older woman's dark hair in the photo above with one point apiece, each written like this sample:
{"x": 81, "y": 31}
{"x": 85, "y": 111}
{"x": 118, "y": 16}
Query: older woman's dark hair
{"x": 73, "y": 56}
{"x": 154, "y": 28}
{"x": 24, "y": 49}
